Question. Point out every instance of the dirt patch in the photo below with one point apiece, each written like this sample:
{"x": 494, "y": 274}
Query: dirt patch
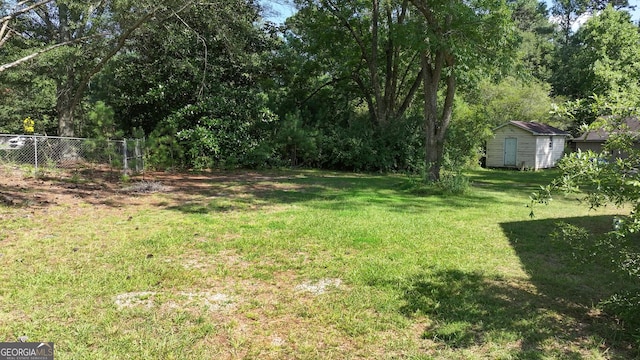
{"x": 181, "y": 300}
{"x": 319, "y": 287}
{"x": 108, "y": 188}
{"x": 211, "y": 301}
{"x": 144, "y": 187}
{"x": 135, "y": 299}
{"x": 61, "y": 187}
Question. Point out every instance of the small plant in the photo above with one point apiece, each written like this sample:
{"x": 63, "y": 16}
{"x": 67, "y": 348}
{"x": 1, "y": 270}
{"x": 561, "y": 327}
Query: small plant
{"x": 28, "y": 171}
{"x": 577, "y": 238}
{"x": 455, "y": 334}
{"x": 75, "y": 178}
{"x": 454, "y": 183}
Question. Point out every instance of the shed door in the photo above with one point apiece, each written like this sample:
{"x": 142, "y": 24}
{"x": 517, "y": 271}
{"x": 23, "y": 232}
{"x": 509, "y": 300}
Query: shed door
{"x": 510, "y": 149}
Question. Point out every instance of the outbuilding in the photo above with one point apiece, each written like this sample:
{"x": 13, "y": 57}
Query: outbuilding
{"x": 525, "y": 145}
{"x": 594, "y": 140}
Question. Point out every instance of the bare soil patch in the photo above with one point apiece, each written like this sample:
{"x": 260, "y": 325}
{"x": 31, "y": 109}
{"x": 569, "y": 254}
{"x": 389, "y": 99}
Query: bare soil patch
{"x": 105, "y": 187}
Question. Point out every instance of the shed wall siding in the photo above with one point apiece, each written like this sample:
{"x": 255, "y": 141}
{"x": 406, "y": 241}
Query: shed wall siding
{"x": 526, "y": 150}
{"x": 547, "y": 157}
{"x": 559, "y": 143}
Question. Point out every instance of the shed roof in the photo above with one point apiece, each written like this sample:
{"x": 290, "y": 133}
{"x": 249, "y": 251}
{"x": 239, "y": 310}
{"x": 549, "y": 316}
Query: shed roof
{"x": 536, "y": 128}
{"x": 601, "y": 135}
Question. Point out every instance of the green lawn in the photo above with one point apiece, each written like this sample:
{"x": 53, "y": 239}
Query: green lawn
{"x": 309, "y": 265}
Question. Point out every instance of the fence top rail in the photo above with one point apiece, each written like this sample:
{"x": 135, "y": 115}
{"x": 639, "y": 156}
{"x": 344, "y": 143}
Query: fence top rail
{"x": 57, "y": 137}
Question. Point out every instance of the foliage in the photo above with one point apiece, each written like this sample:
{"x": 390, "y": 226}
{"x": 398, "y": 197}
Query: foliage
{"x": 537, "y": 39}
{"x": 598, "y": 69}
{"x": 217, "y": 132}
{"x": 582, "y": 113}
{"x": 490, "y": 104}
{"x": 603, "y": 58}
{"x": 454, "y": 182}
{"x": 296, "y": 145}
{"x": 383, "y": 54}
{"x": 466, "y": 137}
{"x": 567, "y": 12}
{"x": 331, "y": 124}
{"x": 496, "y": 103}
{"x": 101, "y": 123}
{"x": 609, "y": 177}
{"x": 460, "y": 37}
{"x": 100, "y": 129}
{"x": 357, "y": 146}
{"x": 213, "y": 49}
{"x": 349, "y": 85}
{"x": 23, "y": 94}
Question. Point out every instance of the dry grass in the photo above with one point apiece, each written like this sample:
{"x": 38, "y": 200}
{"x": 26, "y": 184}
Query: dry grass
{"x": 293, "y": 265}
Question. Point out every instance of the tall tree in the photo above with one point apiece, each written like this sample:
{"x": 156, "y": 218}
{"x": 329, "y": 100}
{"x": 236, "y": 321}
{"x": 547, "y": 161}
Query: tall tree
{"x": 458, "y": 36}
{"x": 538, "y": 35}
{"x": 9, "y": 28}
{"x": 184, "y": 59}
{"x": 510, "y": 99}
{"x": 94, "y": 31}
{"x": 196, "y": 81}
{"x": 567, "y": 12}
{"x": 368, "y": 43}
{"x": 603, "y": 58}
{"x": 393, "y": 49}
{"x": 23, "y": 92}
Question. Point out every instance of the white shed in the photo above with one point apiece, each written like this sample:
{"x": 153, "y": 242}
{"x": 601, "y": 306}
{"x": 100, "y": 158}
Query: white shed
{"x": 519, "y": 144}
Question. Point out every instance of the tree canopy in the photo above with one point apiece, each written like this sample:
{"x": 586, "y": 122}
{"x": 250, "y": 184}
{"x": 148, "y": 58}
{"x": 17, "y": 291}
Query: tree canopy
{"x": 394, "y": 85}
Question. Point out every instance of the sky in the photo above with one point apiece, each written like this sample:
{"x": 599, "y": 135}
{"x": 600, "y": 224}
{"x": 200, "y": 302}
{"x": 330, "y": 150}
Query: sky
{"x": 284, "y": 8}
{"x": 279, "y": 10}
{"x": 635, "y": 14}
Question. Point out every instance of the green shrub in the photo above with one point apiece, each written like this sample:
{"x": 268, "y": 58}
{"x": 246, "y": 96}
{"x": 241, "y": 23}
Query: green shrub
{"x": 453, "y": 182}
{"x": 214, "y": 133}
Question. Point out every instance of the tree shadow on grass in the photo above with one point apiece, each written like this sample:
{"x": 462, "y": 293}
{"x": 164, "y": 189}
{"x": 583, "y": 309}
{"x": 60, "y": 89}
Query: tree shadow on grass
{"x": 550, "y": 315}
{"x": 330, "y": 192}
{"x": 468, "y": 310}
{"x": 511, "y": 180}
{"x": 552, "y": 267}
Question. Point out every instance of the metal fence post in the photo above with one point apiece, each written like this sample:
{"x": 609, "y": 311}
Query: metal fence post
{"x": 137, "y": 156}
{"x": 124, "y": 151}
{"x": 35, "y": 151}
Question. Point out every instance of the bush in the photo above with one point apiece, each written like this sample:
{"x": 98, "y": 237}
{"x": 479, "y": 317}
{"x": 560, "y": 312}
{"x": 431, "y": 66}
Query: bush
{"x": 217, "y": 132}
{"x": 357, "y": 145}
{"x": 453, "y": 183}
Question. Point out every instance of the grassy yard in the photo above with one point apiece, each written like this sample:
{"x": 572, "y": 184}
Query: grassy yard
{"x": 302, "y": 265}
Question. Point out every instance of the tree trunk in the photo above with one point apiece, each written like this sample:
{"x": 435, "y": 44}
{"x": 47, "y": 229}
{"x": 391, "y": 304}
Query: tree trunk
{"x": 434, "y": 141}
{"x": 390, "y": 84}
{"x": 436, "y": 123}
{"x": 65, "y": 109}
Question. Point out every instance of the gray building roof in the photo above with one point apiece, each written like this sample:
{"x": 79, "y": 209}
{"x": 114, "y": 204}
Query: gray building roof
{"x": 601, "y": 135}
{"x": 536, "y": 128}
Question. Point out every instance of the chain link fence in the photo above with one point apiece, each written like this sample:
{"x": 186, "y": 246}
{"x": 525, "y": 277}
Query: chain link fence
{"x": 64, "y": 152}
